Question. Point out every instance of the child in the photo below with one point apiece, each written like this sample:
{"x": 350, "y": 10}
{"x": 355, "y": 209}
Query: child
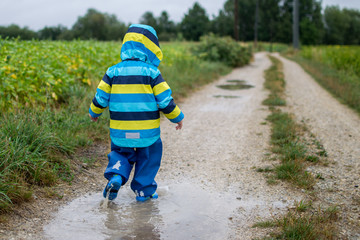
{"x": 135, "y": 92}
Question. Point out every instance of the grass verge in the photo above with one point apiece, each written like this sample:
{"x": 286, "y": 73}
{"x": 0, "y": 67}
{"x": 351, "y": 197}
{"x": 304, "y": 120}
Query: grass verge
{"x": 285, "y": 141}
{"x": 344, "y": 85}
{"x": 303, "y": 222}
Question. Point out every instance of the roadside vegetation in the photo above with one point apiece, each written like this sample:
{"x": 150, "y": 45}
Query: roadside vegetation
{"x": 336, "y": 68}
{"x": 45, "y": 94}
{"x": 286, "y": 135}
{"x": 295, "y": 151}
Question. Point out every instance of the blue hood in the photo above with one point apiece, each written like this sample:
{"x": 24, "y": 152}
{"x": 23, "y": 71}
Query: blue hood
{"x": 141, "y": 42}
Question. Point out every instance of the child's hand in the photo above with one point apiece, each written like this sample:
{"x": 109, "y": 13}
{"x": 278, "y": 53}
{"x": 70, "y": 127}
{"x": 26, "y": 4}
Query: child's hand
{"x": 179, "y": 125}
{"x": 93, "y": 119}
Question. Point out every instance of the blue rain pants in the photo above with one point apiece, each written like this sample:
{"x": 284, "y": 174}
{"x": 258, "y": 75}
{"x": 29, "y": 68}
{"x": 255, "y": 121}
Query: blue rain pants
{"x": 147, "y": 163}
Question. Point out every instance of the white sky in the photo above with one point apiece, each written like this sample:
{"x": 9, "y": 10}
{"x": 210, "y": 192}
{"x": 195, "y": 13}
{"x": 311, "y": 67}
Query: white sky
{"x": 37, "y": 14}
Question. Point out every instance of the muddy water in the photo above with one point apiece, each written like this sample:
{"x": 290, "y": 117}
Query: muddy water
{"x": 183, "y": 211}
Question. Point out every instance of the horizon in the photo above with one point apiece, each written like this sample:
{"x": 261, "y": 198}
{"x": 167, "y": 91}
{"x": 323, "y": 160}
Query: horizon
{"x": 53, "y": 14}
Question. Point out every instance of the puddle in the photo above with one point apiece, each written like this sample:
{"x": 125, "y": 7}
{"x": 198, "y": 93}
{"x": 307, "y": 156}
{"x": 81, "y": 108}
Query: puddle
{"x": 183, "y": 211}
{"x": 226, "y": 96}
{"x": 235, "y": 85}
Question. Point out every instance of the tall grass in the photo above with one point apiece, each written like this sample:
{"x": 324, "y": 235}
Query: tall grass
{"x": 36, "y": 147}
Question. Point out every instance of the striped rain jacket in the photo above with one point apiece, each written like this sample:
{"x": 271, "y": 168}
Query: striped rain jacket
{"x": 135, "y": 91}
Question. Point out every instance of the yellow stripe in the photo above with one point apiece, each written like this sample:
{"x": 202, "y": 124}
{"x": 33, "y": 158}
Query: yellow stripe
{"x": 135, "y": 125}
{"x": 95, "y": 109}
{"x": 104, "y": 86}
{"x": 161, "y": 87}
{"x": 174, "y": 113}
{"x": 131, "y": 88}
{"x": 137, "y": 37}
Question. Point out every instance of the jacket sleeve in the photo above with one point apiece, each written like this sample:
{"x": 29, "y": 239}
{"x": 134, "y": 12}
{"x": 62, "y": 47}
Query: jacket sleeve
{"x": 102, "y": 96}
{"x": 165, "y": 101}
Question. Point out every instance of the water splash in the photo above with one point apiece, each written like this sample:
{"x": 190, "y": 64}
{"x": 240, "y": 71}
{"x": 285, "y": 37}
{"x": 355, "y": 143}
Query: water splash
{"x": 105, "y": 203}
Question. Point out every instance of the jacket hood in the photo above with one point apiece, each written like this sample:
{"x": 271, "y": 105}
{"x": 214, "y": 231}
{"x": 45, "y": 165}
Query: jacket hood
{"x": 141, "y": 42}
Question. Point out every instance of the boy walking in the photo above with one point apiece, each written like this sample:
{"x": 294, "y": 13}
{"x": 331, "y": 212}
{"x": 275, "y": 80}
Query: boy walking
{"x": 135, "y": 92}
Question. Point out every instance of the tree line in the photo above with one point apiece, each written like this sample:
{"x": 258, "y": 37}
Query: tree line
{"x": 274, "y": 24}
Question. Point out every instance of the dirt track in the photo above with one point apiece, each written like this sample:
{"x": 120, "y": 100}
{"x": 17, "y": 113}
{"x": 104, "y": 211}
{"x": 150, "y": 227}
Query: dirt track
{"x": 208, "y": 186}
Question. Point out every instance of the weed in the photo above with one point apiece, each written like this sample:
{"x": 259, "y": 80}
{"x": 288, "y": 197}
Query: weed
{"x": 265, "y": 224}
{"x": 302, "y": 206}
{"x": 266, "y": 169}
{"x": 304, "y": 223}
{"x": 319, "y": 176}
{"x": 312, "y": 158}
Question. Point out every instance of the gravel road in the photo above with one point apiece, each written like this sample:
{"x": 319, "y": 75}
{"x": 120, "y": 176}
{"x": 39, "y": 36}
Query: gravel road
{"x": 338, "y": 128}
{"x": 208, "y": 184}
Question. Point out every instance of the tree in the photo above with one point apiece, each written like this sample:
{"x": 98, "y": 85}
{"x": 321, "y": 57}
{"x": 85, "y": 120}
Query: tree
{"x": 352, "y": 34}
{"x": 222, "y": 25}
{"x": 166, "y": 27}
{"x": 269, "y": 19}
{"x": 14, "y": 31}
{"x": 99, "y": 26}
{"x": 149, "y": 19}
{"x": 311, "y": 26}
{"x": 52, "y": 33}
{"x": 342, "y": 26}
{"x": 195, "y": 23}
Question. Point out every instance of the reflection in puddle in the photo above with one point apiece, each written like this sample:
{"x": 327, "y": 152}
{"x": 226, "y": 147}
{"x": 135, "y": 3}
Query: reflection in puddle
{"x": 226, "y": 96}
{"x": 183, "y": 211}
{"x": 235, "y": 85}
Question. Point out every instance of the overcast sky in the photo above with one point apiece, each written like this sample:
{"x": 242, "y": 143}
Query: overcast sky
{"x": 37, "y": 14}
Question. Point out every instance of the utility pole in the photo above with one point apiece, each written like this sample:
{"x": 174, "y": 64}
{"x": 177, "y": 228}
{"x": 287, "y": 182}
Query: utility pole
{"x": 296, "y": 43}
{"x": 256, "y": 24}
{"x": 236, "y": 20}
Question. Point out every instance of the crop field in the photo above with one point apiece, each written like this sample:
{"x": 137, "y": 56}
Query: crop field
{"x": 343, "y": 58}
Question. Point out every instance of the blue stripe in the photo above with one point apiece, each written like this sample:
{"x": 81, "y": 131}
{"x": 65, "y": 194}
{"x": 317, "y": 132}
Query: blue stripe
{"x": 169, "y": 108}
{"x": 157, "y": 80}
{"x": 129, "y": 50}
{"x": 164, "y": 98}
{"x": 94, "y": 115}
{"x": 102, "y": 97}
{"x": 136, "y": 116}
{"x": 178, "y": 118}
{"x": 134, "y": 143}
{"x": 151, "y": 29}
{"x": 132, "y": 79}
{"x": 146, "y": 33}
{"x": 133, "y": 107}
{"x": 132, "y": 68}
{"x": 106, "y": 79}
{"x": 95, "y": 102}
{"x": 132, "y": 97}
{"x": 148, "y": 133}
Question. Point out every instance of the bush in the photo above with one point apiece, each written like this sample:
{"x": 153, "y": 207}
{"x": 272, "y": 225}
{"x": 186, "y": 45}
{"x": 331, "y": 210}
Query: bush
{"x": 223, "y": 49}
